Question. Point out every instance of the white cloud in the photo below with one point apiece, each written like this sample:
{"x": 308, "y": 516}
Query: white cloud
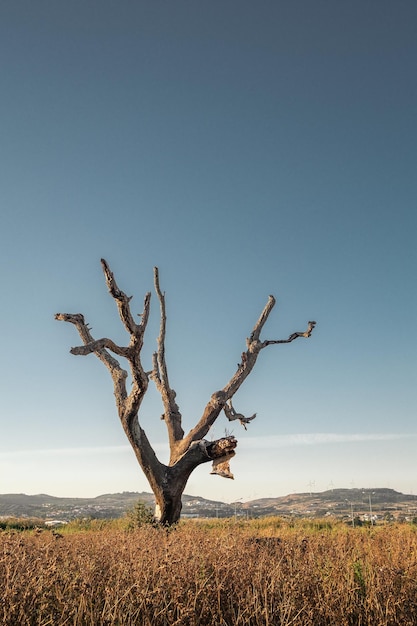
{"x": 266, "y": 442}
{"x": 75, "y": 452}
{"x": 312, "y": 439}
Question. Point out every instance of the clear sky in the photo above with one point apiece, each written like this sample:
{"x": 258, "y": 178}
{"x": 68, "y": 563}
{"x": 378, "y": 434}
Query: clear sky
{"x": 245, "y": 148}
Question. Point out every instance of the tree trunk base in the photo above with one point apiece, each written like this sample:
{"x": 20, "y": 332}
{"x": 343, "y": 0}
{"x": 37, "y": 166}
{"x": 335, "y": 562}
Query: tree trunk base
{"x": 168, "y": 509}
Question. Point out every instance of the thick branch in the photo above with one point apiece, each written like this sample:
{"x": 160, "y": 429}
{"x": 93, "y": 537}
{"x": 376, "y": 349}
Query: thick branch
{"x": 172, "y": 415}
{"x": 219, "y": 399}
{"x": 261, "y": 321}
{"x": 128, "y": 405}
{"x": 204, "y": 451}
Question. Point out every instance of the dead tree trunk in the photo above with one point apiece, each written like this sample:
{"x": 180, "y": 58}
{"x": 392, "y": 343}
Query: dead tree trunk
{"x": 187, "y": 451}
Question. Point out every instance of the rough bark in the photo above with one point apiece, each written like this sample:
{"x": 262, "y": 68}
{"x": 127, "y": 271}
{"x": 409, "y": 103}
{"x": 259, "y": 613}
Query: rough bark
{"x": 187, "y": 451}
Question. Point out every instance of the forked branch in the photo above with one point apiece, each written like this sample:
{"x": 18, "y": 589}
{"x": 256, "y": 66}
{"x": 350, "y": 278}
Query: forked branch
{"x": 117, "y": 373}
{"x": 221, "y": 399}
{"x": 127, "y": 404}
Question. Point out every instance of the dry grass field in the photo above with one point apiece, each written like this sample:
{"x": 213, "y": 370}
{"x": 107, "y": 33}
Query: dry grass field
{"x": 264, "y": 572}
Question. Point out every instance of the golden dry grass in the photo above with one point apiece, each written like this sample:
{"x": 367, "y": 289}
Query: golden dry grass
{"x": 259, "y": 573}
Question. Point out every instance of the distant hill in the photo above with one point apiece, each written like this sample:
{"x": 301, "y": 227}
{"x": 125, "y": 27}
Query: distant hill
{"x": 337, "y": 502}
{"x": 110, "y": 505}
{"x": 45, "y": 506}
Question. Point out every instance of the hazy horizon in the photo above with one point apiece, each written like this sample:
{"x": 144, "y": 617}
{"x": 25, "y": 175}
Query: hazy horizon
{"x": 309, "y": 492}
{"x": 94, "y": 462}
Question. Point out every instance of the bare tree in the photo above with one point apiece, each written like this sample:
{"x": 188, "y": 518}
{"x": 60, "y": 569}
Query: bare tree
{"x": 187, "y": 451}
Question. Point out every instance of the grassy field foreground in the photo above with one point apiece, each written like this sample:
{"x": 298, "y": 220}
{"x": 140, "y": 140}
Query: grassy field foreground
{"x": 225, "y": 573}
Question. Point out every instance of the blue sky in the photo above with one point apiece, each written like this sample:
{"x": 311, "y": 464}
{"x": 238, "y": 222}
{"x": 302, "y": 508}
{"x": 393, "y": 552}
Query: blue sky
{"x": 245, "y": 149}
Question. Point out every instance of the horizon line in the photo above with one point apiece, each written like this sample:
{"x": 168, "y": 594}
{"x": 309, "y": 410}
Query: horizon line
{"x": 189, "y": 495}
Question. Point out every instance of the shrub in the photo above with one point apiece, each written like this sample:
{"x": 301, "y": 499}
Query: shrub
{"x": 139, "y": 515}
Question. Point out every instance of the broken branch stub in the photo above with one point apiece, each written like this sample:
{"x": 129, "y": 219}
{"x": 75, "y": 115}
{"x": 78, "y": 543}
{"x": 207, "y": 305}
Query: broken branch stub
{"x": 222, "y": 451}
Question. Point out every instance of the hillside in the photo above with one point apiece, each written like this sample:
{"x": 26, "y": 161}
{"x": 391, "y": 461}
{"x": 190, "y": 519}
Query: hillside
{"x": 110, "y": 505}
{"x": 340, "y": 502}
{"x": 335, "y": 502}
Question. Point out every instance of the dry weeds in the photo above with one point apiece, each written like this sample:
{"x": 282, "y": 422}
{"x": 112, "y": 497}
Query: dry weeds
{"x": 219, "y": 574}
